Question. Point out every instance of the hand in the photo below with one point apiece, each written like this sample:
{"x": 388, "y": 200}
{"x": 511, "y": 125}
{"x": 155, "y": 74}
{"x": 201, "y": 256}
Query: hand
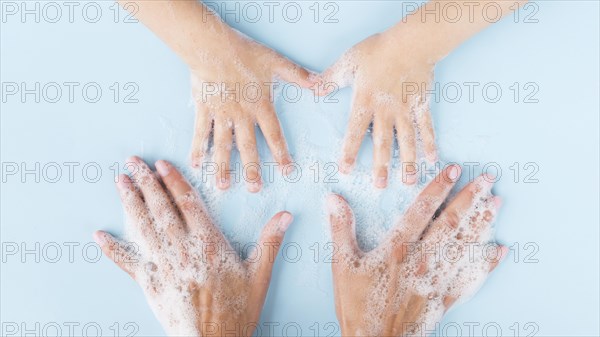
{"x": 391, "y": 74}
{"x": 237, "y": 64}
{"x": 194, "y": 281}
{"x": 381, "y": 70}
{"x": 406, "y": 284}
{"x": 232, "y": 81}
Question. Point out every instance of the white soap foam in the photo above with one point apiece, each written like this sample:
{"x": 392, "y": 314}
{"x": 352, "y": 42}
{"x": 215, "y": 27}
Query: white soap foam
{"x": 170, "y": 267}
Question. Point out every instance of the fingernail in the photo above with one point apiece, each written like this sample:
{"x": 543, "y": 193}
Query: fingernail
{"x": 490, "y": 179}
{"x": 123, "y": 182}
{"x": 196, "y": 161}
{"x": 284, "y": 221}
{"x": 163, "y": 168}
{"x": 381, "y": 182}
{"x": 223, "y": 183}
{"x": 135, "y": 165}
{"x": 454, "y": 173}
{"x": 286, "y": 167}
{"x": 333, "y": 203}
{"x": 431, "y": 158}
{"x": 497, "y": 202}
{"x": 254, "y": 187}
{"x": 252, "y": 171}
{"x": 409, "y": 175}
{"x": 410, "y": 179}
{"x": 134, "y": 160}
{"x": 99, "y": 237}
{"x": 486, "y": 182}
{"x": 346, "y": 166}
{"x": 326, "y": 88}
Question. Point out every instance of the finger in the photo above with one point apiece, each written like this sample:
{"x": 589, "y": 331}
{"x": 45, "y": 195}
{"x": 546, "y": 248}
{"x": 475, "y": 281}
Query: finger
{"x": 291, "y": 72}
{"x": 360, "y": 118}
{"x": 449, "y": 302}
{"x": 245, "y": 138}
{"x": 202, "y": 128}
{"x": 481, "y": 216}
{"x": 271, "y": 129}
{"x": 136, "y": 212}
{"x": 188, "y": 202}
{"x": 457, "y": 211}
{"x": 338, "y": 75}
{"x": 223, "y": 139}
{"x": 405, "y": 135}
{"x": 421, "y": 211}
{"x": 261, "y": 260}
{"x": 481, "y": 256}
{"x": 425, "y": 126}
{"x": 159, "y": 203}
{"x": 382, "y": 143}
{"x": 117, "y": 251}
{"x": 343, "y": 232}
{"x": 502, "y": 252}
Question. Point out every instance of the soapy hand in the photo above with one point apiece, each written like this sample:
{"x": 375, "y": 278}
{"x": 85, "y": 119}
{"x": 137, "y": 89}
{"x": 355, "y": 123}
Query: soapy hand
{"x": 392, "y": 73}
{"x": 232, "y": 84}
{"x": 193, "y": 279}
{"x": 233, "y": 78}
{"x": 386, "y": 73}
{"x": 405, "y": 285}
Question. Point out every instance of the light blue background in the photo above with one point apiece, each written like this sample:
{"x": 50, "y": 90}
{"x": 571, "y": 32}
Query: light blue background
{"x": 560, "y": 134}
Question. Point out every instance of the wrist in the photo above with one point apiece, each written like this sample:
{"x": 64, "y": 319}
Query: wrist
{"x": 210, "y": 49}
{"x": 436, "y": 31}
{"x": 411, "y": 37}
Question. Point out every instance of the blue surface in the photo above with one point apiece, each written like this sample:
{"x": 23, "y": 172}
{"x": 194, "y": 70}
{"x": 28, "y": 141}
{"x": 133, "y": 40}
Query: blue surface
{"x": 554, "y": 221}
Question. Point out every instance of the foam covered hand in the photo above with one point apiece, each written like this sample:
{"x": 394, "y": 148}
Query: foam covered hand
{"x": 406, "y": 284}
{"x": 194, "y": 281}
{"x": 232, "y": 84}
{"x": 380, "y": 69}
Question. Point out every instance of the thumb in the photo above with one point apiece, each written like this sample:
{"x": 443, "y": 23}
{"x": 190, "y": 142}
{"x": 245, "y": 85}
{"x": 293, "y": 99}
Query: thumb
{"x": 338, "y": 75}
{"x": 262, "y": 259}
{"x": 341, "y": 219}
{"x": 293, "y": 73}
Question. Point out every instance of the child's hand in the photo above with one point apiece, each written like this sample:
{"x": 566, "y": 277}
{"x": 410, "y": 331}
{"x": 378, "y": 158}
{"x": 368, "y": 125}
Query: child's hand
{"x": 232, "y": 85}
{"x": 423, "y": 266}
{"x": 380, "y": 70}
{"x": 193, "y": 279}
{"x": 391, "y": 74}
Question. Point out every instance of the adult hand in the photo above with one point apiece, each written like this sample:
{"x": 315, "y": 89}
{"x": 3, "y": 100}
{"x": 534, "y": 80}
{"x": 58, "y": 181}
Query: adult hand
{"x": 406, "y": 284}
{"x": 194, "y": 281}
